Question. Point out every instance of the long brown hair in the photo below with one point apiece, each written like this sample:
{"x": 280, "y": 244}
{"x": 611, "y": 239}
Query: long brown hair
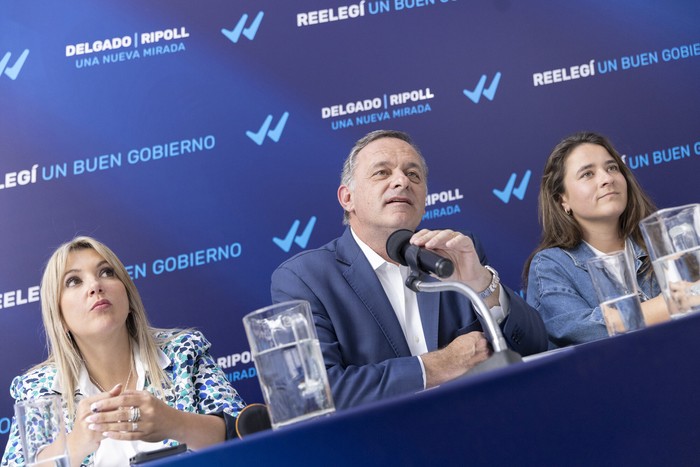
{"x": 559, "y": 229}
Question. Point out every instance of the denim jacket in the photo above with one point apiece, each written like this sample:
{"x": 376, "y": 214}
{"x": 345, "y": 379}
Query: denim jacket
{"x": 561, "y": 290}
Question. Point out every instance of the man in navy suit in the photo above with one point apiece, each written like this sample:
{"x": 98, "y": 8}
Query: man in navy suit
{"x": 379, "y": 338}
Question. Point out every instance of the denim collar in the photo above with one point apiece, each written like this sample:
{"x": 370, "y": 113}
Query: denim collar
{"x": 582, "y": 253}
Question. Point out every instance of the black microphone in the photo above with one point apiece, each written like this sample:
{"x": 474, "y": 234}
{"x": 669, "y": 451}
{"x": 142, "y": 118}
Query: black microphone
{"x": 253, "y": 418}
{"x": 398, "y": 247}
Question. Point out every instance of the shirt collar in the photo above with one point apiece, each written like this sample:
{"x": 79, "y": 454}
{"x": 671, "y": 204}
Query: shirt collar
{"x": 374, "y": 259}
{"x": 87, "y": 387}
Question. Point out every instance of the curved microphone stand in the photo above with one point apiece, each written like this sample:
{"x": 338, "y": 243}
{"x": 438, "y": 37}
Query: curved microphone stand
{"x": 502, "y": 355}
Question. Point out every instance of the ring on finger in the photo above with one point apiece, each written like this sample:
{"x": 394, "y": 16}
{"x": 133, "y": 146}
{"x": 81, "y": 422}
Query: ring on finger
{"x": 134, "y": 426}
{"x": 135, "y": 414}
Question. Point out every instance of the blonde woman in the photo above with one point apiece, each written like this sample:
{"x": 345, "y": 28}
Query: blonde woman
{"x": 126, "y": 386}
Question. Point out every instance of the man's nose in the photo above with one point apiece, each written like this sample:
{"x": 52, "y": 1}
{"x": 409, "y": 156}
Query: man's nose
{"x": 399, "y": 179}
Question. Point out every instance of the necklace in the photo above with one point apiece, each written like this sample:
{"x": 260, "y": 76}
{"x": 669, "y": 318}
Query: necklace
{"x": 126, "y": 385}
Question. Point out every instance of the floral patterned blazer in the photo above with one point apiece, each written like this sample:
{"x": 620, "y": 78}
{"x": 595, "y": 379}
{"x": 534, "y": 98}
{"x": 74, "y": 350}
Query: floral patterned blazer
{"x": 198, "y": 385}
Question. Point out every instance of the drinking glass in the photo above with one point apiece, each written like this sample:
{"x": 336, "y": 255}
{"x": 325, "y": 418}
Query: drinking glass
{"x": 616, "y": 287}
{"x": 42, "y": 428}
{"x": 287, "y": 356}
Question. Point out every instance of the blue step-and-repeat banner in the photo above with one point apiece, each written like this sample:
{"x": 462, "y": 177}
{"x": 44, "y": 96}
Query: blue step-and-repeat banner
{"x": 203, "y": 140}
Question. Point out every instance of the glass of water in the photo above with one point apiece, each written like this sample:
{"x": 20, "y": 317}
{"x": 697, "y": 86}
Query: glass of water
{"x": 287, "y": 356}
{"x": 43, "y": 432}
{"x": 673, "y": 240}
{"x": 616, "y": 287}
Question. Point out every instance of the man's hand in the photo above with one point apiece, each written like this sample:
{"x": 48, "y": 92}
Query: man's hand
{"x": 460, "y": 356}
{"x": 460, "y": 249}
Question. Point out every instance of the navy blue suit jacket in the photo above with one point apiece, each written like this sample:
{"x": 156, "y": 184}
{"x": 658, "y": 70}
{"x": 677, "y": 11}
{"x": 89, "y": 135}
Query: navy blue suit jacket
{"x": 364, "y": 349}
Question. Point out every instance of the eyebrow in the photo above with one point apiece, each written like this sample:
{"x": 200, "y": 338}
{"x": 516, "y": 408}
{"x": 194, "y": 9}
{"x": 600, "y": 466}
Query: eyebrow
{"x": 415, "y": 165}
{"x": 409, "y": 165}
{"x": 588, "y": 166}
{"x": 379, "y": 164}
{"x": 585, "y": 167}
{"x": 70, "y": 271}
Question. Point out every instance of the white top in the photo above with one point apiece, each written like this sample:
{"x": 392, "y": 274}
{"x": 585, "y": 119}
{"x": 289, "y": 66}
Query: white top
{"x": 628, "y": 249}
{"x": 629, "y": 256}
{"x": 112, "y": 452}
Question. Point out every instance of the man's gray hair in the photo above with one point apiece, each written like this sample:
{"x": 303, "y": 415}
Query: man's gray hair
{"x": 350, "y": 164}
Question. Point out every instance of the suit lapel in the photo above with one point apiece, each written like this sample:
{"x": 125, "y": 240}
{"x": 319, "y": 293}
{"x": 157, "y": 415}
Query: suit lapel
{"x": 364, "y": 282}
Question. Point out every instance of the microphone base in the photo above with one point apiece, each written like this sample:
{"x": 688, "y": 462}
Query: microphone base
{"x": 497, "y": 360}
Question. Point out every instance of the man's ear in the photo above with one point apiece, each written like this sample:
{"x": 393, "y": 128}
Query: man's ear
{"x": 345, "y": 198}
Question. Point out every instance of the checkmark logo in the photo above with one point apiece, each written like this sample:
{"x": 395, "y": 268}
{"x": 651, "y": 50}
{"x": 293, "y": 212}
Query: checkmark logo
{"x": 286, "y": 243}
{"x": 240, "y": 30}
{"x": 302, "y": 239}
{"x": 491, "y": 90}
{"x": 475, "y": 95}
{"x": 510, "y": 189}
{"x": 13, "y": 71}
{"x": 258, "y": 137}
{"x": 481, "y": 89}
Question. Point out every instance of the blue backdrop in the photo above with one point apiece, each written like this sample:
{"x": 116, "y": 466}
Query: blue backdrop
{"x": 203, "y": 141}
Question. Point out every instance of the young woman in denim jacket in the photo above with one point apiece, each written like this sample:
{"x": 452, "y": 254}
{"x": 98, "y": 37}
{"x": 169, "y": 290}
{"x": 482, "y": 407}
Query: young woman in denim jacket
{"x": 125, "y": 386}
{"x": 589, "y": 204}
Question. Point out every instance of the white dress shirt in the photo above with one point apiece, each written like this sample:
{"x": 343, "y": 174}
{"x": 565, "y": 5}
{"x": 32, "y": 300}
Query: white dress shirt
{"x": 404, "y": 301}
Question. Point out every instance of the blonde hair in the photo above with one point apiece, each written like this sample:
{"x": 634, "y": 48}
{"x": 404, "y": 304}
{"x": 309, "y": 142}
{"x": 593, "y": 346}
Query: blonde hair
{"x": 63, "y": 351}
